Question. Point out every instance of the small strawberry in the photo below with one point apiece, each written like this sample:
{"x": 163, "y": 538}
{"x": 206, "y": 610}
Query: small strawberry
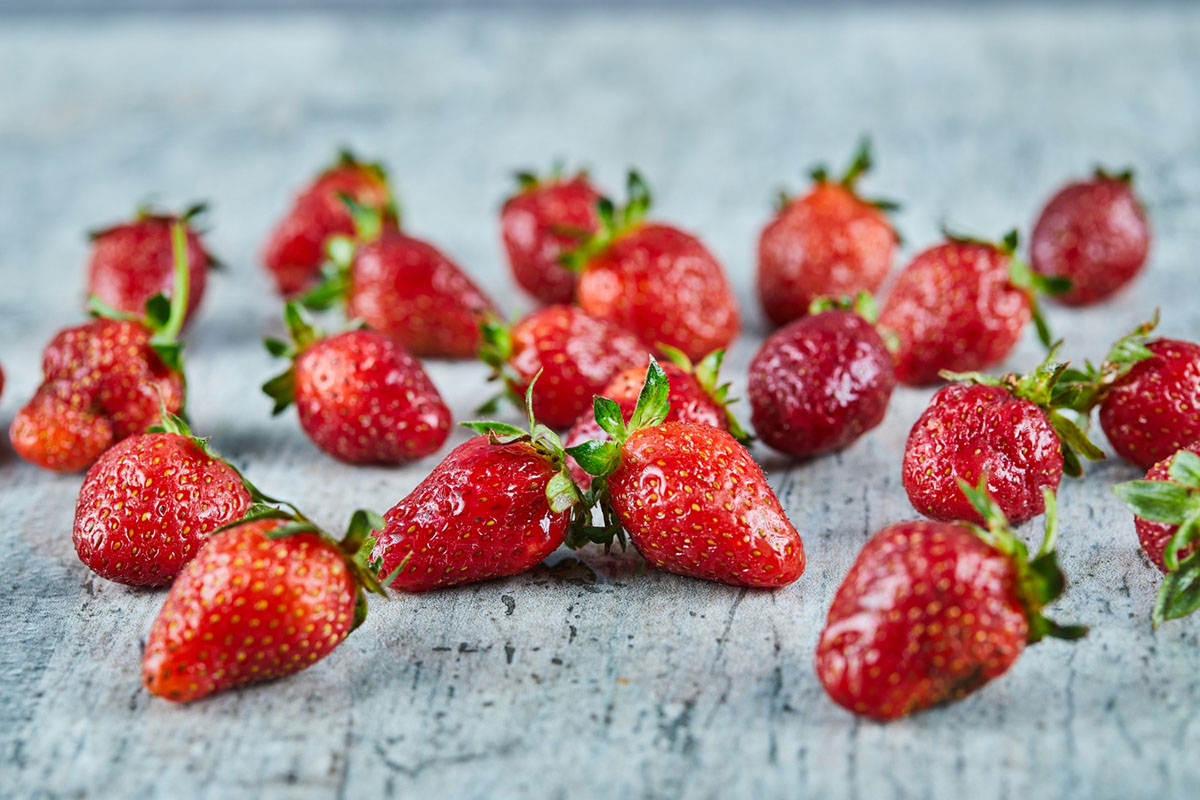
{"x": 264, "y": 598}
{"x": 822, "y": 381}
{"x": 932, "y": 611}
{"x": 544, "y": 219}
{"x": 359, "y": 395}
{"x": 962, "y": 306}
{"x": 1095, "y": 234}
{"x": 576, "y": 354}
{"x": 690, "y": 496}
{"x": 828, "y": 243}
{"x": 654, "y": 280}
{"x": 1166, "y": 507}
{"x": 295, "y": 250}
{"x": 402, "y": 287}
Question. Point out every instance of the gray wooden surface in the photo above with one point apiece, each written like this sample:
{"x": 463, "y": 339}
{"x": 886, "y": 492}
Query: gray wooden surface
{"x": 586, "y": 678}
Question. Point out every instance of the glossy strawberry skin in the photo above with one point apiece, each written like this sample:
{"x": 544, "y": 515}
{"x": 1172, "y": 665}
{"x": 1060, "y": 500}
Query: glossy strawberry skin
{"x": 295, "y": 249}
{"x": 363, "y": 399}
{"x": 1094, "y": 233}
{"x": 1154, "y": 536}
{"x": 829, "y": 243}
{"x": 537, "y": 226}
{"x": 694, "y": 503}
{"x": 1154, "y": 409}
{"x": 481, "y": 514}
{"x": 148, "y": 505}
{"x": 927, "y": 614}
{"x": 953, "y": 308}
{"x": 662, "y": 285}
{"x": 407, "y": 289}
{"x": 968, "y": 430}
{"x": 819, "y": 383}
{"x": 248, "y": 608}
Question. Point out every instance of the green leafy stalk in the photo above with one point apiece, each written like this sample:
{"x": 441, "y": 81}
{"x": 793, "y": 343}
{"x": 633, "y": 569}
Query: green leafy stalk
{"x": 862, "y": 304}
{"x": 1081, "y": 390}
{"x": 303, "y": 334}
{"x": 615, "y": 221}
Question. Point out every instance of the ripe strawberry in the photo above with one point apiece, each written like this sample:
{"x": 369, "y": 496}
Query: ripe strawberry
{"x": 654, "y": 280}
{"x": 295, "y": 250}
{"x": 822, "y": 381}
{"x": 544, "y": 219}
{"x": 359, "y": 395}
{"x": 828, "y": 243}
{"x": 402, "y": 287}
{"x": 576, "y": 354}
{"x": 1094, "y": 233}
{"x": 1166, "y": 507}
{"x": 962, "y": 306}
{"x": 105, "y": 380}
{"x": 1009, "y": 432}
{"x": 268, "y": 597}
{"x": 690, "y": 496}
{"x": 931, "y": 611}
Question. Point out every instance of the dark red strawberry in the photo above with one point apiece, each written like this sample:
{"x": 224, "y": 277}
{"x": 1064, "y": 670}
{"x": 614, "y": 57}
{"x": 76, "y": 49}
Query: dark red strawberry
{"x": 654, "y": 280}
{"x": 544, "y": 219}
{"x": 932, "y": 611}
{"x": 295, "y": 250}
{"x": 1093, "y": 233}
{"x": 690, "y": 496}
{"x": 360, "y": 396}
{"x": 576, "y": 354}
{"x": 822, "y": 381}
{"x": 828, "y": 243}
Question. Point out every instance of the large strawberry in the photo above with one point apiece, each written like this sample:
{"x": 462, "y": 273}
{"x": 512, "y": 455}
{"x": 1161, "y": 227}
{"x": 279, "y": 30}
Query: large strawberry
{"x": 360, "y": 396}
{"x": 295, "y": 249}
{"x": 690, "y": 496}
{"x": 1095, "y": 234}
{"x": 576, "y": 354}
{"x": 654, "y": 280}
{"x": 105, "y": 380}
{"x": 544, "y": 219}
{"x": 829, "y": 242}
{"x": 932, "y": 611}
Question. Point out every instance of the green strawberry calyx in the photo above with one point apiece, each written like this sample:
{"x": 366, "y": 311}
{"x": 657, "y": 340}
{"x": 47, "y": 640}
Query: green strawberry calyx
{"x": 615, "y": 221}
{"x": 193, "y": 217}
{"x": 860, "y": 164}
{"x": 1102, "y": 173}
{"x": 863, "y": 304}
{"x": 1084, "y": 389}
{"x": 1175, "y": 502}
{"x": 369, "y": 224}
{"x": 528, "y": 180}
{"x": 708, "y": 374}
{"x": 303, "y": 333}
{"x": 495, "y": 350}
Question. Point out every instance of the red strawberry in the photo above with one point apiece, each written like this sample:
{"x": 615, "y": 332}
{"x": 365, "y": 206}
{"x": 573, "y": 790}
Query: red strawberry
{"x": 818, "y": 384}
{"x": 403, "y": 287}
{"x": 930, "y": 612}
{"x": 1009, "y": 432}
{"x": 690, "y": 496}
{"x": 962, "y": 306}
{"x": 295, "y": 250}
{"x": 543, "y": 220}
{"x": 576, "y": 354}
{"x": 359, "y": 395}
{"x": 261, "y": 600}
{"x": 1094, "y": 233}
{"x": 828, "y": 243}
{"x": 654, "y": 280}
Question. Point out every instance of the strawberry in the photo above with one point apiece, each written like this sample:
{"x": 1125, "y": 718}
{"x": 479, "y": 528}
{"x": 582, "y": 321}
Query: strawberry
{"x": 402, "y": 287}
{"x": 829, "y": 242}
{"x": 654, "y": 280}
{"x": 962, "y": 306}
{"x": 690, "y": 496}
{"x": 295, "y": 249}
{"x": 359, "y": 395}
{"x": 496, "y": 506}
{"x": 576, "y": 354}
{"x": 544, "y": 219}
{"x": 1166, "y": 507}
{"x": 265, "y": 598}
{"x": 1095, "y": 234}
{"x": 1010, "y": 432}
{"x": 822, "y": 381}
{"x": 932, "y": 611}
{"x": 104, "y": 380}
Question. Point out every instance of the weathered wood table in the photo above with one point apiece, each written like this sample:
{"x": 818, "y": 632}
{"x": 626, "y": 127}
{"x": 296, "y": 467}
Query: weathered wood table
{"x": 588, "y": 677}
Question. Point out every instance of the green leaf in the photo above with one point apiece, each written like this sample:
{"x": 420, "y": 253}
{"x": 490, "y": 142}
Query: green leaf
{"x": 1073, "y": 438}
{"x": 397, "y": 572}
{"x": 708, "y": 371}
{"x": 1009, "y": 241}
{"x": 609, "y": 418}
{"x": 1159, "y": 501}
{"x": 638, "y": 199}
{"x": 1180, "y": 591}
{"x": 300, "y": 328}
{"x": 278, "y": 347}
{"x": 1181, "y": 539}
{"x": 340, "y": 251}
{"x": 598, "y": 458}
{"x": 99, "y": 308}
{"x": 860, "y": 163}
{"x": 653, "y": 402}
{"x": 158, "y": 311}
{"x": 970, "y": 377}
{"x": 1185, "y": 469}
{"x": 368, "y": 220}
{"x": 561, "y": 492}
{"x": 167, "y": 331}
{"x": 486, "y": 427}
{"x": 495, "y": 347}
{"x": 281, "y": 389}
{"x": 675, "y": 356}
